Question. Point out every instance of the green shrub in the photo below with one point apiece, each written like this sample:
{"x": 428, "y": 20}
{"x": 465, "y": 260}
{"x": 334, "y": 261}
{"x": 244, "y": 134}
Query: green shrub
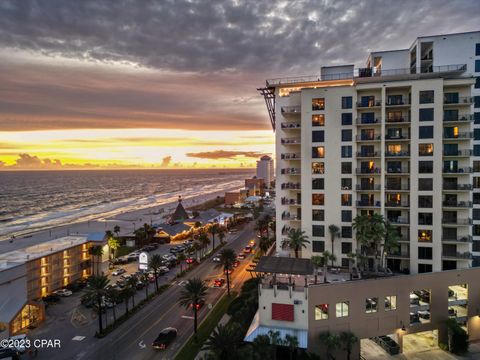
{"x": 457, "y": 337}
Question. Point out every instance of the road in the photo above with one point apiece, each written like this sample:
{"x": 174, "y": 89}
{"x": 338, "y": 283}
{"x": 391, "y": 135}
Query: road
{"x": 132, "y": 340}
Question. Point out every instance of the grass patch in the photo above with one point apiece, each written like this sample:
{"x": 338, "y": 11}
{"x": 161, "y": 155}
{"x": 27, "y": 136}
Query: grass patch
{"x": 208, "y": 204}
{"x": 123, "y": 250}
{"x": 192, "y": 347}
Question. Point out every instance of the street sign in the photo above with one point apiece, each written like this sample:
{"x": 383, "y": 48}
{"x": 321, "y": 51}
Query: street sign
{"x": 143, "y": 261}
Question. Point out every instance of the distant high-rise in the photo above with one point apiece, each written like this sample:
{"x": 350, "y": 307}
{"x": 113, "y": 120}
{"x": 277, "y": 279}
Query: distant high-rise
{"x": 265, "y": 169}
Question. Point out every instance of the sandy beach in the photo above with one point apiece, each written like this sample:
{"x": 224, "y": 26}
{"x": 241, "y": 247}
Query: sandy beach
{"x": 128, "y": 221}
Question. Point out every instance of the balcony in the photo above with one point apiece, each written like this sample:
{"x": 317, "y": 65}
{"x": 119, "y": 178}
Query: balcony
{"x": 461, "y": 221}
{"x": 369, "y": 104}
{"x": 397, "y": 204}
{"x": 368, "y": 138}
{"x": 368, "y": 154}
{"x": 396, "y": 187}
{"x": 289, "y": 217}
{"x": 397, "y": 154}
{"x": 457, "y": 204}
{"x": 467, "y": 135}
{"x": 369, "y": 171}
{"x": 397, "y": 137}
{"x": 290, "y": 125}
{"x": 398, "y": 119}
{"x": 458, "y": 118}
{"x": 462, "y": 100}
{"x": 458, "y": 171}
{"x": 291, "y": 186}
{"x": 287, "y": 201}
{"x": 368, "y": 187}
{"x": 457, "y": 187}
{"x": 458, "y": 153}
{"x": 398, "y": 171}
{"x": 364, "y": 121}
{"x": 396, "y": 102}
{"x": 291, "y": 156}
{"x": 401, "y": 220}
{"x": 399, "y": 255}
{"x": 361, "y": 203}
{"x": 287, "y": 110}
{"x": 291, "y": 141}
{"x": 461, "y": 239}
{"x": 290, "y": 171}
{"x": 457, "y": 255}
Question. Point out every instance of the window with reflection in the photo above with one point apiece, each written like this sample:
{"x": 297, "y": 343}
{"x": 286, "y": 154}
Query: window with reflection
{"x": 318, "y": 104}
{"x": 318, "y": 120}
{"x": 318, "y": 168}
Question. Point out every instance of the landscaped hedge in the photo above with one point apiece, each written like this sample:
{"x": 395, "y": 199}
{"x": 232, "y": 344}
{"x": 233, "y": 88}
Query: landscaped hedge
{"x": 457, "y": 337}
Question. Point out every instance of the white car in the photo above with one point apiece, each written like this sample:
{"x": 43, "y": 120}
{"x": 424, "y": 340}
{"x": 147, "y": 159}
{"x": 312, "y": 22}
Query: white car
{"x": 20, "y": 342}
{"x": 63, "y": 292}
{"x": 216, "y": 258}
{"x": 118, "y": 272}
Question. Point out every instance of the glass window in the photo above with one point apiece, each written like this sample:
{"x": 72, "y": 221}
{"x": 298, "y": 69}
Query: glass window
{"x": 477, "y": 65}
{"x": 426, "y": 132}
{"x": 341, "y": 309}
{"x": 476, "y": 150}
{"x": 346, "y": 199}
{"x": 346, "y": 215}
{"x": 346, "y": 167}
{"x": 425, "y": 184}
{"x": 425, "y": 201}
{"x": 318, "y": 215}
{"x": 346, "y": 247}
{"x": 347, "y": 135}
{"x": 476, "y": 118}
{"x": 321, "y": 312}
{"x": 425, "y": 149}
{"x": 318, "y": 199}
{"x": 390, "y": 302}
{"x": 346, "y": 102}
{"x": 424, "y": 253}
{"x": 368, "y": 118}
{"x": 318, "y": 246}
{"x": 318, "y": 152}
{"x": 346, "y": 232}
{"x": 425, "y": 167}
{"x": 476, "y": 134}
{"x": 476, "y": 100}
{"x": 346, "y": 184}
{"x": 318, "y": 168}
{"x": 318, "y": 184}
{"x": 477, "y": 82}
{"x": 318, "y": 104}
{"x": 424, "y": 268}
{"x": 347, "y": 119}
{"x": 346, "y": 151}
{"x": 318, "y": 120}
{"x": 318, "y": 230}
{"x": 371, "y": 305}
{"x": 425, "y": 114}
{"x": 477, "y": 49}
{"x": 425, "y": 219}
{"x": 425, "y": 235}
{"x": 318, "y": 136}
{"x": 450, "y": 115}
{"x": 426, "y": 97}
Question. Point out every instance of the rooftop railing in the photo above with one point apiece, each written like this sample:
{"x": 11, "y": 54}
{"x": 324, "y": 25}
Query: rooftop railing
{"x": 295, "y": 109}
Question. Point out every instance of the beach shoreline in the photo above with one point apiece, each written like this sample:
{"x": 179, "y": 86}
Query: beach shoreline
{"x": 128, "y": 221}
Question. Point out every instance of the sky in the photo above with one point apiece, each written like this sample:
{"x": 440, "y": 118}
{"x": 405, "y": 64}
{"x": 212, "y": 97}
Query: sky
{"x": 172, "y": 84}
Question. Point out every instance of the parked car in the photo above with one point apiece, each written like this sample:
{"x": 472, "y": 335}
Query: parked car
{"x": 236, "y": 263}
{"x": 247, "y": 249}
{"x": 8, "y": 353}
{"x": 118, "y": 272}
{"x": 163, "y": 270}
{"x": 252, "y": 243}
{"x": 219, "y": 282}
{"x": 165, "y": 338}
{"x": 126, "y": 276}
{"x": 20, "y": 342}
{"x": 52, "y": 298}
{"x": 229, "y": 271}
{"x": 424, "y": 314}
{"x": 414, "y": 299}
{"x": 241, "y": 256}
{"x": 424, "y": 295}
{"x": 190, "y": 260}
{"x": 155, "y": 245}
{"x": 121, "y": 283}
{"x": 233, "y": 231}
{"x": 414, "y": 318}
{"x": 188, "y": 242}
{"x": 140, "y": 285}
{"x": 87, "y": 301}
{"x": 63, "y": 292}
{"x": 174, "y": 250}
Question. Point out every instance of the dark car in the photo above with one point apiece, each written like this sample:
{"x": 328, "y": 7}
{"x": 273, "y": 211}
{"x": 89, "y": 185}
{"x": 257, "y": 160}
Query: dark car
{"x": 8, "y": 353}
{"x": 52, "y": 298}
{"x": 165, "y": 338}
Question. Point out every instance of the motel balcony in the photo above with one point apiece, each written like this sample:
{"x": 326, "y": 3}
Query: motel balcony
{"x": 397, "y": 187}
{"x": 458, "y": 153}
{"x": 397, "y": 204}
{"x": 368, "y": 187}
{"x": 289, "y": 110}
{"x": 458, "y": 239}
{"x": 457, "y": 221}
{"x": 290, "y": 171}
{"x": 368, "y": 170}
{"x": 291, "y": 156}
{"x": 467, "y": 135}
{"x": 287, "y": 201}
{"x": 404, "y": 118}
{"x": 462, "y": 100}
{"x": 291, "y": 125}
{"x": 363, "y": 137}
{"x": 362, "y": 203}
{"x": 291, "y": 186}
{"x": 397, "y": 154}
{"x": 463, "y": 170}
{"x": 399, "y": 220}
{"x": 369, "y": 104}
{"x": 368, "y": 154}
{"x": 457, "y": 187}
{"x": 291, "y": 141}
{"x": 458, "y": 118}
{"x": 397, "y": 101}
{"x": 457, "y": 204}
{"x": 368, "y": 121}
{"x": 457, "y": 255}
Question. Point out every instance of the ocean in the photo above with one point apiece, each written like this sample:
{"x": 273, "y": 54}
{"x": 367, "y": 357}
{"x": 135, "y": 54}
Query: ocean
{"x": 33, "y": 200}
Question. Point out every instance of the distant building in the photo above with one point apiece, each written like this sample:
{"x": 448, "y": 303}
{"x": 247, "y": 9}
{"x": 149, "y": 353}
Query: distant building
{"x": 265, "y": 169}
{"x": 255, "y": 186}
{"x": 180, "y": 213}
{"x": 236, "y": 197}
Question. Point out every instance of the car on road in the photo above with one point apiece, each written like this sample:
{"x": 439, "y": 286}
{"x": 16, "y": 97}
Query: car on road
{"x": 165, "y": 338}
{"x": 219, "y": 282}
{"x": 236, "y": 263}
{"x": 190, "y": 260}
{"x": 252, "y": 243}
{"x": 126, "y": 276}
{"x": 229, "y": 271}
{"x": 118, "y": 272}
{"x": 121, "y": 283}
{"x": 63, "y": 292}
{"x": 52, "y": 298}
{"x": 241, "y": 256}
{"x": 424, "y": 314}
{"x": 233, "y": 231}
{"x": 199, "y": 304}
{"x": 247, "y": 249}
{"x": 188, "y": 242}
{"x": 217, "y": 258}
{"x": 121, "y": 260}
{"x": 20, "y": 343}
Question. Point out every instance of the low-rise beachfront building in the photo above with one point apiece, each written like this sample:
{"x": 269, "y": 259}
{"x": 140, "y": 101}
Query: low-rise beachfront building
{"x": 406, "y": 308}
{"x": 30, "y": 273}
{"x": 255, "y": 186}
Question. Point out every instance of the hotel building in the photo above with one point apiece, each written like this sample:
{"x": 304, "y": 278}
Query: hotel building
{"x": 265, "y": 170}
{"x": 399, "y": 137}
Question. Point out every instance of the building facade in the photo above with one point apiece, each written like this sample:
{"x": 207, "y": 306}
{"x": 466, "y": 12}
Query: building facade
{"x": 398, "y": 138}
{"x": 265, "y": 170}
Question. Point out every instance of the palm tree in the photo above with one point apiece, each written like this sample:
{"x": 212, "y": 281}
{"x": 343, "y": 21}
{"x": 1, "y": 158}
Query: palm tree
{"x": 223, "y": 341}
{"x": 326, "y": 256}
{"x": 317, "y": 261}
{"x": 126, "y": 294}
{"x": 97, "y": 291}
{"x": 331, "y": 342}
{"x": 144, "y": 278}
{"x": 227, "y": 258}
{"x": 264, "y": 244}
{"x": 267, "y": 219}
{"x": 221, "y": 235}
{"x": 261, "y": 347}
{"x": 193, "y": 295}
{"x": 390, "y": 244}
{"x": 361, "y": 224}
{"x": 113, "y": 296}
{"x": 116, "y": 229}
{"x": 334, "y": 232}
{"x": 196, "y": 247}
{"x": 181, "y": 258}
{"x": 260, "y": 225}
{"x": 113, "y": 245}
{"x": 96, "y": 252}
{"x": 109, "y": 235}
{"x": 205, "y": 241}
{"x": 295, "y": 241}
{"x": 351, "y": 260}
{"x": 213, "y": 230}
{"x": 155, "y": 263}
{"x": 348, "y": 339}
{"x": 292, "y": 343}
{"x": 132, "y": 284}
{"x": 275, "y": 340}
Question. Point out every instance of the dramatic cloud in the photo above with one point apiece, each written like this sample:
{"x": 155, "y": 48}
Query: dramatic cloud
{"x": 223, "y": 154}
{"x": 166, "y": 161}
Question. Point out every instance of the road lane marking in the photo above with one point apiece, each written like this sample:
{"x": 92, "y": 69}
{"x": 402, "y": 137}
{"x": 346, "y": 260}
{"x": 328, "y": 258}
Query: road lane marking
{"x": 142, "y": 345}
{"x": 187, "y": 317}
